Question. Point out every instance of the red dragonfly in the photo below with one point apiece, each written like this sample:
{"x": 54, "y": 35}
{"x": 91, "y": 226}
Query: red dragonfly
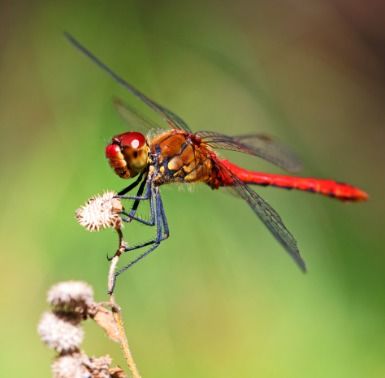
{"x": 178, "y": 155}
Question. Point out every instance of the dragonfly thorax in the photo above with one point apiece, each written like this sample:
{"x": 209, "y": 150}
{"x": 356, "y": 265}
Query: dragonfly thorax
{"x": 128, "y": 154}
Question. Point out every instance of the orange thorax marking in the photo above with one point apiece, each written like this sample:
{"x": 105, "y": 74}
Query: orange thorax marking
{"x": 181, "y": 158}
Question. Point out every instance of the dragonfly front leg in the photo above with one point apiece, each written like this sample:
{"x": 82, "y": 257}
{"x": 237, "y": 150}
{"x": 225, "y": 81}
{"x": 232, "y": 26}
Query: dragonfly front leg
{"x": 135, "y": 206}
{"x": 148, "y": 184}
{"x": 157, "y": 218}
{"x": 131, "y": 186}
{"x": 129, "y": 216}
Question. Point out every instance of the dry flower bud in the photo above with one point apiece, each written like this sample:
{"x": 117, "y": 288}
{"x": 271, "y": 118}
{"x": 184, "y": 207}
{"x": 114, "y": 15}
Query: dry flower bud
{"x": 100, "y": 211}
{"x": 60, "y": 334}
{"x": 71, "y": 297}
{"x": 117, "y": 372}
{"x": 70, "y": 366}
{"x": 99, "y": 367}
{"x": 79, "y": 365}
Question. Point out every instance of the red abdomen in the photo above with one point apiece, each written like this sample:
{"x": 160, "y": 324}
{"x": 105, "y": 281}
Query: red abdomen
{"x": 341, "y": 191}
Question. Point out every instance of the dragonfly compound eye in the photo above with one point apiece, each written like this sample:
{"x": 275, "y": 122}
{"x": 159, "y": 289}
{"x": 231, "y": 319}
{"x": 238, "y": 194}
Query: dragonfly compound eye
{"x": 113, "y": 151}
{"x": 128, "y": 154}
{"x": 132, "y": 140}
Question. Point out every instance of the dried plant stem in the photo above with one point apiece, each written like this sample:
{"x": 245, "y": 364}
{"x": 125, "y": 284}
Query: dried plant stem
{"x": 123, "y": 339}
{"x": 111, "y": 274}
{"x": 117, "y": 311}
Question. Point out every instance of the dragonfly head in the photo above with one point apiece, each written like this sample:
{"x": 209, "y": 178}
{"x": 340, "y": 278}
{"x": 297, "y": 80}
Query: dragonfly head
{"x": 128, "y": 154}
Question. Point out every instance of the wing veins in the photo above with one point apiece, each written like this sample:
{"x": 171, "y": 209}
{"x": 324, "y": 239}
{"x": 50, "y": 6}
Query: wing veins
{"x": 256, "y": 145}
{"x": 269, "y": 217}
{"x": 173, "y": 119}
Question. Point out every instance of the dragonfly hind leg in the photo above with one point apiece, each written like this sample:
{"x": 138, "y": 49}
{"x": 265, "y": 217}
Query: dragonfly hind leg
{"x": 128, "y": 217}
{"x": 162, "y": 232}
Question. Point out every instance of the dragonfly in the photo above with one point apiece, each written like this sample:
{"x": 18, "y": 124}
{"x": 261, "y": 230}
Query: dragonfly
{"x": 179, "y": 155}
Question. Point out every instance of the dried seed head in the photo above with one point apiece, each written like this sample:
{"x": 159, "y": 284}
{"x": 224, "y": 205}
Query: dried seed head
{"x": 71, "y": 297}
{"x": 100, "y": 211}
{"x": 70, "y": 366}
{"x": 59, "y": 334}
{"x": 99, "y": 367}
{"x": 117, "y": 372}
{"x": 79, "y": 365}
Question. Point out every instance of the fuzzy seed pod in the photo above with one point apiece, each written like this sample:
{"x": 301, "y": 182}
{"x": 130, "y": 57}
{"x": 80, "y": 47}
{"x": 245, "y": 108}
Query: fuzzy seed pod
{"x": 100, "y": 211}
{"x": 59, "y": 334}
{"x": 70, "y": 366}
{"x": 71, "y": 297}
{"x": 79, "y": 365}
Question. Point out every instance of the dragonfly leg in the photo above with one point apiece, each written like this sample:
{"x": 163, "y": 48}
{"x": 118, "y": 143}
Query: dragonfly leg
{"x": 131, "y": 186}
{"x": 162, "y": 233}
{"x": 139, "y": 198}
{"x": 152, "y": 222}
{"x": 147, "y": 182}
{"x": 122, "y": 243}
{"x": 156, "y": 219}
{"x": 166, "y": 230}
{"x": 129, "y": 216}
{"x": 137, "y": 202}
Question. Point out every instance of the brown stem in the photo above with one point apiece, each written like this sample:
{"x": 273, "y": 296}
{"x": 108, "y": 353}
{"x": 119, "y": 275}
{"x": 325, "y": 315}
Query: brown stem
{"x": 117, "y": 313}
{"x": 123, "y": 339}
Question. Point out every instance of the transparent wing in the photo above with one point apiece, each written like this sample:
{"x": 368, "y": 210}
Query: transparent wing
{"x": 257, "y": 145}
{"x": 135, "y": 119}
{"x": 172, "y": 119}
{"x": 273, "y": 147}
{"x": 269, "y": 217}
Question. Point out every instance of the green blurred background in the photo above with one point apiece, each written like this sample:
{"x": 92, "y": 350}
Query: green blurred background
{"x": 220, "y": 298}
